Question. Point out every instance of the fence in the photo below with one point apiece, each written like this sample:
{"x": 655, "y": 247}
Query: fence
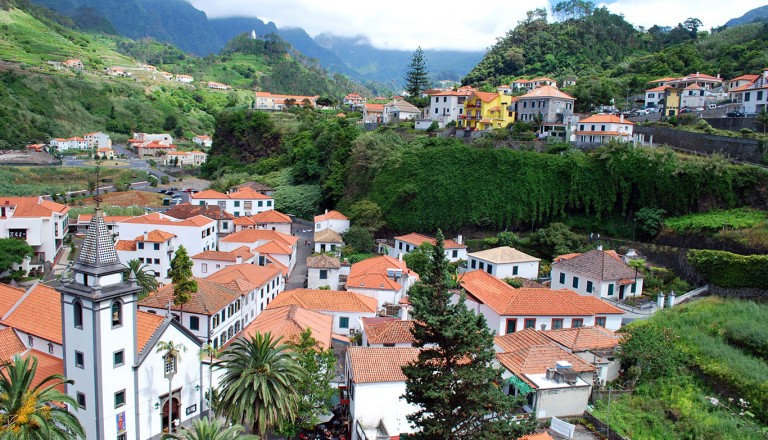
{"x": 747, "y": 150}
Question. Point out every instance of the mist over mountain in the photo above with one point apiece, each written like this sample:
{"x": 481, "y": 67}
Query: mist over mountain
{"x": 757, "y": 14}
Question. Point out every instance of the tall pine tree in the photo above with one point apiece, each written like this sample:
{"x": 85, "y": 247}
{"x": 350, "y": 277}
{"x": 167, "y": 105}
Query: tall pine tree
{"x": 417, "y": 77}
{"x": 453, "y": 380}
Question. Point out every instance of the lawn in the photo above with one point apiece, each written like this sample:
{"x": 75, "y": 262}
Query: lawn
{"x": 725, "y": 342}
{"x": 743, "y": 225}
{"x": 33, "y": 181}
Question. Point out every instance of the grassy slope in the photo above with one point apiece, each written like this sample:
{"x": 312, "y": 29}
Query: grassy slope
{"x": 26, "y": 181}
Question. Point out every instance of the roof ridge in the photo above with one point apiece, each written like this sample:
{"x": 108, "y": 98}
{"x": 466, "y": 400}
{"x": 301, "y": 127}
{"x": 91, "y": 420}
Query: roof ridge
{"x": 21, "y": 300}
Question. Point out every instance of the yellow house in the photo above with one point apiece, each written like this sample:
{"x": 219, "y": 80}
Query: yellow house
{"x": 671, "y": 102}
{"x": 486, "y": 111}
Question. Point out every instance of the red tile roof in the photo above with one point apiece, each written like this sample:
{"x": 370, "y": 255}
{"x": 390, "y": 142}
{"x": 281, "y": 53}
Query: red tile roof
{"x": 208, "y": 194}
{"x": 539, "y": 436}
{"x": 274, "y": 247}
{"x": 38, "y": 313}
{"x": 186, "y": 210}
{"x": 209, "y": 298}
{"x": 9, "y": 296}
{"x": 326, "y": 300}
{"x": 248, "y": 194}
{"x": 323, "y": 261}
{"x": 47, "y": 365}
{"x": 584, "y": 338}
{"x": 371, "y": 273}
{"x": 486, "y": 96}
{"x": 608, "y": 119}
{"x": 505, "y": 300}
{"x": 536, "y": 359}
{"x": 33, "y": 206}
{"x": 380, "y": 364}
{"x": 547, "y": 92}
{"x": 417, "y": 239}
{"x": 155, "y": 236}
{"x": 254, "y": 235}
{"x": 156, "y": 218}
{"x": 330, "y": 215}
{"x": 519, "y": 340}
{"x": 125, "y": 245}
{"x": 242, "y": 252}
{"x": 271, "y": 216}
{"x": 290, "y": 321}
{"x": 10, "y": 344}
{"x": 147, "y": 324}
{"x": 245, "y": 277}
{"x": 390, "y": 332}
{"x": 597, "y": 265}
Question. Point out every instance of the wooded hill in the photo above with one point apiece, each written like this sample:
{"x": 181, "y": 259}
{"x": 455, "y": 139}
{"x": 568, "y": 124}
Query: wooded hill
{"x": 38, "y": 102}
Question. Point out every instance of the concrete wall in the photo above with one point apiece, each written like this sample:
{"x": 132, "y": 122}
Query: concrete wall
{"x": 747, "y": 150}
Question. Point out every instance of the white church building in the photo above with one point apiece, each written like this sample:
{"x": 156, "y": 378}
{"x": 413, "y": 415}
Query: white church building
{"x": 121, "y": 381}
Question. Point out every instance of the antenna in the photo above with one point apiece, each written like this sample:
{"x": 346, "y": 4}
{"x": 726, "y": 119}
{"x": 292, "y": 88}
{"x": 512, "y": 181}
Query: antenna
{"x": 97, "y": 197}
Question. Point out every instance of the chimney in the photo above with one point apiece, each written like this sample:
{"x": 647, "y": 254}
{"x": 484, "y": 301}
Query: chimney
{"x": 239, "y": 260}
{"x": 660, "y": 300}
{"x": 326, "y": 211}
{"x": 459, "y": 239}
{"x": 400, "y": 256}
{"x": 599, "y": 247}
{"x": 146, "y": 236}
{"x": 621, "y": 118}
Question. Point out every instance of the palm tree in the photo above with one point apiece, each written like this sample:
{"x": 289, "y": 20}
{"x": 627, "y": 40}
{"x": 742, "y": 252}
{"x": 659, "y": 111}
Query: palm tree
{"x": 171, "y": 354}
{"x": 35, "y": 412}
{"x": 210, "y": 352}
{"x": 144, "y": 277}
{"x": 206, "y": 429}
{"x": 258, "y": 382}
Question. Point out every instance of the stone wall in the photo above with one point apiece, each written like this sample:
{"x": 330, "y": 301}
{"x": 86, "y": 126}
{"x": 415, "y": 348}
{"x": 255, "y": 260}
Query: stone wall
{"x": 734, "y": 124}
{"x": 747, "y": 150}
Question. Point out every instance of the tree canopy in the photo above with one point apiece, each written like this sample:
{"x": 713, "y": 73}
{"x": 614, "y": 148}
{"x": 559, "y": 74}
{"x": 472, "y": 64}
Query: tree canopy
{"x": 416, "y": 75}
{"x": 13, "y": 251}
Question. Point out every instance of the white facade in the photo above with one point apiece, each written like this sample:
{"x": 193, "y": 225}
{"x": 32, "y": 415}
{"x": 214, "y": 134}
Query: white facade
{"x": 332, "y": 220}
{"x": 609, "y": 289}
{"x": 371, "y": 403}
{"x": 602, "y": 128}
{"x": 163, "y": 138}
{"x": 454, "y": 251}
{"x": 321, "y": 277}
{"x": 202, "y": 267}
{"x": 202, "y": 140}
{"x": 74, "y": 143}
{"x": 244, "y": 202}
{"x": 156, "y": 255}
{"x": 20, "y": 217}
{"x": 528, "y": 270}
{"x": 98, "y": 140}
{"x": 196, "y": 234}
{"x": 553, "y": 399}
{"x": 445, "y": 108}
{"x": 324, "y": 247}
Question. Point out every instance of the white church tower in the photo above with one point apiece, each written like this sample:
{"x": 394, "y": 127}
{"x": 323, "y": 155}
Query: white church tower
{"x": 99, "y": 328}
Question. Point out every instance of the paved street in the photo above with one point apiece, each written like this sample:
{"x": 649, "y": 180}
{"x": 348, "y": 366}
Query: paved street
{"x": 304, "y": 232}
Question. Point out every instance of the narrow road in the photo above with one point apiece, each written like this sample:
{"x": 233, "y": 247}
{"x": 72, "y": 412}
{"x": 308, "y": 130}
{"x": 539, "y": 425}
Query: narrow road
{"x": 305, "y": 233}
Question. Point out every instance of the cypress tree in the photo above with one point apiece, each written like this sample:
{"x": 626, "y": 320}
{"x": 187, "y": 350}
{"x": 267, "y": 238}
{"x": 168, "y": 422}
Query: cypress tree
{"x": 453, "y": 380}
{"x": 417, "y": 77}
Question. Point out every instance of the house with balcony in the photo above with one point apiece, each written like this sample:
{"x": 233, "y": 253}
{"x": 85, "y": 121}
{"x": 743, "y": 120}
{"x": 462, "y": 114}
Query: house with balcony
{"x": 373, "y": 113}
{"x": 486, "y": 111}
{"x": 193, "y": 158}
{"x": 446, "y": 107}
{"x": 751, "y": 98}
{"x": 654, "y": 97}
{"x": 202, "y": 140}
{"x": 274, "y": 101}
{"x": 602, "y": 128}
{"x": 258, "y": 285}
{"x": 73, "y": 143}
{"x": 598, "y": 273}
{"x": 508, "y": 310}
{"x": 504, "y": 262}
{"x": 347, "y": 308}
{"x": 455, "y": 250}
{"x": 738, "y": 82}
{"x": 242, "y": 202}
{"x": 209, "y": 262}
{"x": 153, "y": 148}
{"x": 155, "y": 249}
{"x": 186, "y": 79}
{"x": 98, "y": 140}
{"x": 554, "y": 382}
{"x": 43, "y": 224}
{"x": 555, "y": 108}
{"x": 353, "y": 100}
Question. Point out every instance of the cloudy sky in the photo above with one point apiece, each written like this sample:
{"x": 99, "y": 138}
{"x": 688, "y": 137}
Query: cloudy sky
{"x": 398, "y": 24}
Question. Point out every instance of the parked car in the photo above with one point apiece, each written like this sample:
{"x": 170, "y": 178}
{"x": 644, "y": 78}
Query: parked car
{"x": 162, "y": 191}
{"x": 699, "y": 109}
{"x": 734, "y": 114}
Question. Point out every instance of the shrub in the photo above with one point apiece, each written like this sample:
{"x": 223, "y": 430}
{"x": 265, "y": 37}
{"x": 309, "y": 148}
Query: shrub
{"x": 730, "y": 270}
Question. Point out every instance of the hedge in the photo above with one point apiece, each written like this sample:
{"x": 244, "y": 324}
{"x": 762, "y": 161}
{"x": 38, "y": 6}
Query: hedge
{"x": 729, "y": 270}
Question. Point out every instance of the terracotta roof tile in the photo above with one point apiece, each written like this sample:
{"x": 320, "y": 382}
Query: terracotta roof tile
{"x": 208, "y": 194}
{"x": 371, "y": 273}
{"x": 274, "y": 247}
{"x": 9, "y": 296}
{"x": 606, "y": 119}
{"x": 125, "y": 245}
{"x": 380, "y": 364}
{"x": 242, "y": 252}
{"x": 156, "y": 218}
{"x": 539, "y": 436}
{"x": 597, "y": 265}
{"x": 209, "y": 298}
{"x": 505, "y": 300}
{"x": 519, "y": 340}
{"x": 535, "y": 359}
{"x": 246, "y": 193}
{"x": 390, "y": 332}
{"x": 38, "y": 313}
{"x": 546, "y": 92}
{"x": 147, "y": 325}
{"x": 33, "y": 206}
{"x": 323, "y": 261}
{"x": 271, "y": 216}
{"x": 330, "y": 215}
{"x": 257, "y": 186}
{"x": 155, "y": 236}
{"x": 503, "y": 255}
{"x": 326, "y": 300}
{"x": 290, "y": 321}
{"x": 47, "y": 365}
{"x": 254, "y": 235}
{"x": 186, "y": 210}
{"x": 417, "y": 239}
{"x": 584, "y": 338}
{"x": 255, "y": 275}
{"x": 10, "y": 344}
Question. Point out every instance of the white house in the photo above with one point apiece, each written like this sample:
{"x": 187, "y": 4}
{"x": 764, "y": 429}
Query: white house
{"x": 266, "y": 245}
{"x": 98, "y": 140}
{"x": 376, "y": 385}
{"x": 35, "y": 317}
{"x": 196, "y": 234}
{"x": 73, "y": 143}
{"x": 446, "y": 107}
{"x": 454, "y": 249}
{"x": 186, "y": 79}
{"x": 554, "y": 382}
{"x": 385, "y": 278}
{"x": 121, "y": 381}
{"x": 163, "y": 138}
{"x": 208, "y": 262}
{"x": 597, "y": 346}
{"x": 155, "y": 249}
{"x": 258, "y": 285}
{"x": 353, "y": 99}
{"x": 328, "y": 240}
{"x": 603, "y": 128}
{"x": 185, "y": 158}
{"x": 218, "y": 86}
{"x": 323, "y": 270}
{"x": 399, "y": 110}
{"x": 202, "y": 140}
{"x": 43, "y": 224}
{"x": 597, "y": 273}
{"x": 504, "y": 262}
{"x": 332, "y": 220}
{"x": 274, "y": 101}
{"x": 347, "y": 308}
{"x": 387, "y": 332}
{"x": 224, "y": 220}
{"x": 654, "y": 97}
{"x": 738, "y": 82}
{"x": 373, "y": 113}
{"x": 752, "y": 97}
{"x": 272, "y": 220}
{"x": 83, "y": 221}
{"x": 508, "y": 310}
{"x": 243, "y": 202}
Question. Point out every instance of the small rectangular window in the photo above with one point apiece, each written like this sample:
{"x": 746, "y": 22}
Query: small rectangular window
{"x": 575, "y": 282}
{"x": 194, "y": 323}
{"x": 577, "y": 322}
{"x": 511, "y": 325}
{"x": 600, "y": 321}
{"x": 514, "y": 270}
{"x": 557, "y": 323}
{"x": 79, "y": 359}
{"x": 610, "y": 289}
{"x": 119, "y": 398}
{"x": 343, "y": 322}
{"x": 589, "y": 286}
{"x": 562, "y": 277}
{"x": 323, "y": 274}
{"x": 119, "y": 358}
{"x": 633, "y": 289}
{"x": 140, "y": 245}
{"x": 455, "y": 254}
{"x": 81, "y": 400}
{"x": 490, "y": 268}
{"x": 157, "y": 246}
{"x": 530, "y": 323}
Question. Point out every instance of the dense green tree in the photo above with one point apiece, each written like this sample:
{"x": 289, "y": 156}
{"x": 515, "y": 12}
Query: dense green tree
{"x": 184, "y": 285}
{"x": 13, "y": 251}
{"x": 416, "y": 75}
{"x": 454, "y": 381}
{"x": 648, "y": 222}
{"x": 650, "y": 351}
{"x": 367, "y": 214}
{"x": 207, "y": 429}
{"x": 258, "y": 386}
{"x": 35, "y": 412}
{"x": 557, "y": 239}
{"x": 144, "y": 277}
{"x": 359, "y": 238}
{"x": 418, "y": 260}
{"x": 315, "y": 387}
